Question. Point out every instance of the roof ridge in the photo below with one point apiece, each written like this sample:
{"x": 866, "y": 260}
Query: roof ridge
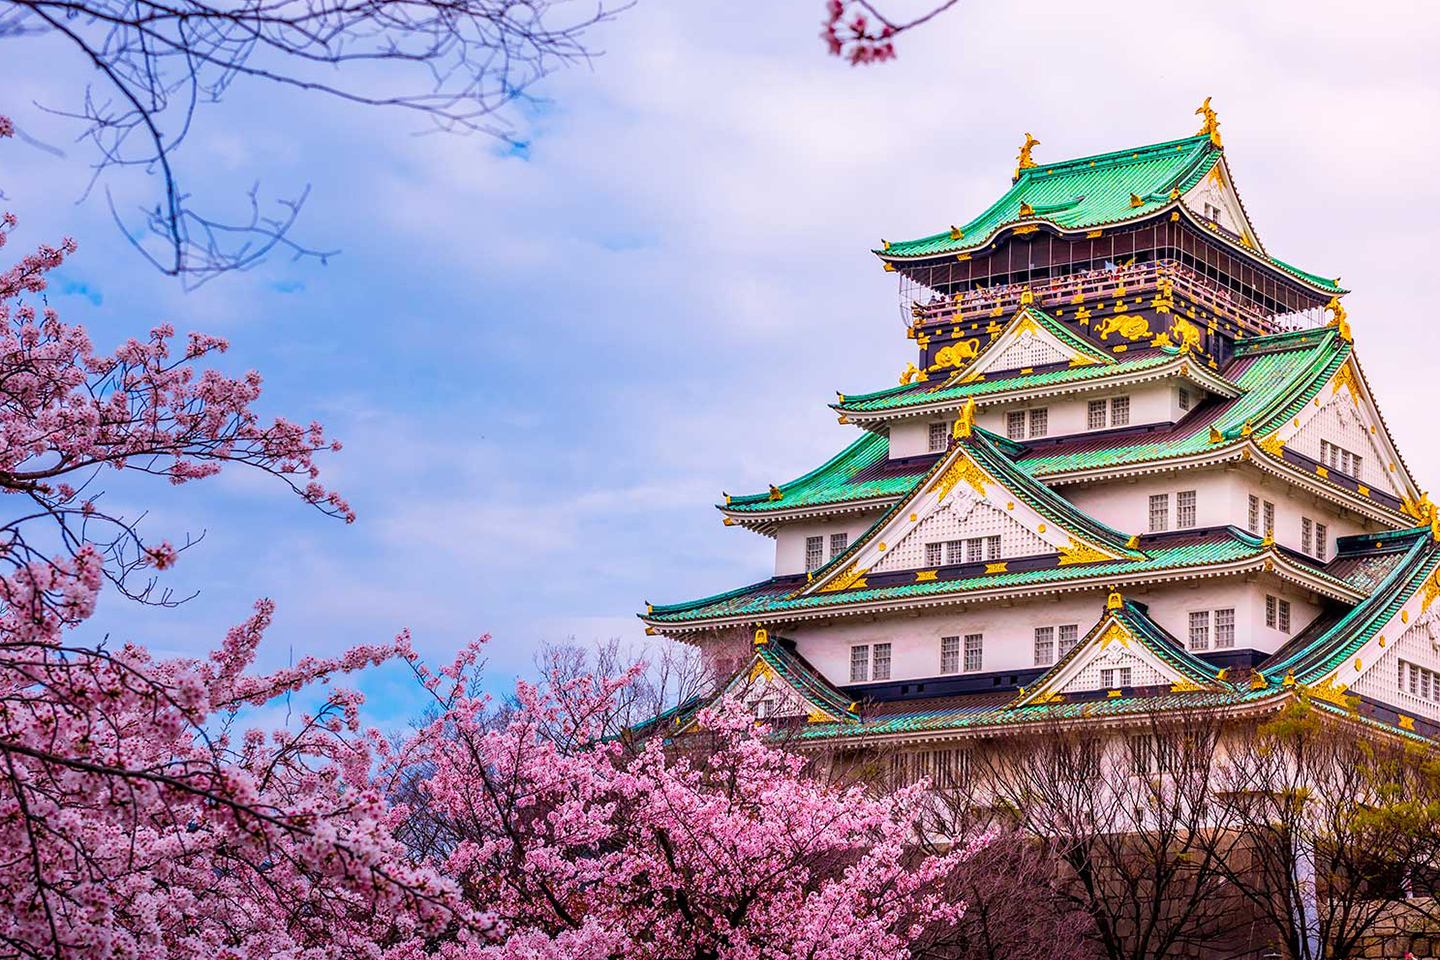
{"x": 866, "y": 439}
{"x": 1117, "y": 156}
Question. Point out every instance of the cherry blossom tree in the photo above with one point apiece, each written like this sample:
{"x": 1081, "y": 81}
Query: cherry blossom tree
{"x": 859, "y": 32}
{"x": 134, "y": 821}
{"x": 715, "y": 844}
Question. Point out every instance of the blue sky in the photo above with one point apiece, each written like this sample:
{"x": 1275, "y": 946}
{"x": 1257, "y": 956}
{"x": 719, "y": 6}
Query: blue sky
{"x": 546, "y": 363}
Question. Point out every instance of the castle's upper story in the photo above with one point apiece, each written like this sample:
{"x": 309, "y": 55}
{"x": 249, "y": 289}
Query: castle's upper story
{"x": 1118, "y": 392}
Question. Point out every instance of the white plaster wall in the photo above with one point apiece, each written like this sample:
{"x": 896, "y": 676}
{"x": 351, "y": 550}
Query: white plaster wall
{"x": 1009, "y": 628}
{"x": 790, "y": 540}
{"x": 1221, "y": 497}
{"x": 911, "y": 438}
{"x": 1150, "y": 403}
{"x": 1351, "y": 428}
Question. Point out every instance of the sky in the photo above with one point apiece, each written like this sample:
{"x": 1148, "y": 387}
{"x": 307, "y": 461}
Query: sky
{"x": 547, "y": 362}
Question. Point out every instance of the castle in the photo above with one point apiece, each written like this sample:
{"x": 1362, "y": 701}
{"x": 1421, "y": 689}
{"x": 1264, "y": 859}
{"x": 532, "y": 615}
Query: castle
{"x": 1136, "y": 467}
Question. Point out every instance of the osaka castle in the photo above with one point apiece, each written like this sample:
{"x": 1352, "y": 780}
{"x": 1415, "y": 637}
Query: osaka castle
{"x": 1135, "y": 467}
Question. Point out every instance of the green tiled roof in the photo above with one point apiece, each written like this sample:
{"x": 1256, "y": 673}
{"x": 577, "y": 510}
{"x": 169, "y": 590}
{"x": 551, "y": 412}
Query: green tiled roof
{"x": 834, "y": 481}
{"x": 793, "y": 668}
{"x": 1277, "y": 379}
{"x": 1082, "y": 194}
{"x": 1092, "y": 192}
{"x": 772, "y": 596}
{"x": 1312, "y": 661}
{"x": 974, "y": 712}
{"x": 910, "y": 395}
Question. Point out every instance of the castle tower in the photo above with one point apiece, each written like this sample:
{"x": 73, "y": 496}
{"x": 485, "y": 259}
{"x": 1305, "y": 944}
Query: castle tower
{"x": 1136, "y": 460}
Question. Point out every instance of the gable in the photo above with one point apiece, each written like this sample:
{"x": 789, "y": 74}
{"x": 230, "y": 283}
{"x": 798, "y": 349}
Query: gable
{"x": 963, "y": 494}
{"x": 1406, "y": 674}
{"x": 964, "y": 516}
{"x": 1030, "y": 339}
{"x": 1123, "y": 639}
{"x": 1214, "y": 199}
{"x": 1344, "y": 414}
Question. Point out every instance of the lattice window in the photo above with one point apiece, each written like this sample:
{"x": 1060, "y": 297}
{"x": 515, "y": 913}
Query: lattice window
{"x": 974, "y": 651}
{"x": 1225, "y": 628}
{"x": 1095, "y": 415}
{"x": 860, "y": 663}
{"x": 838, "y": 543}
{"x": 945, "y": 769}
{"x": 1200, "y": 630}
{"x": 1044, "y": 646}
{"x": 1015, "y": 425}
{"x": 1185, "y": 509}
{"x": 1185, "y": 399}
{"x": 965, "y": 519}
{"x": 1277, "y": 613}
{"x": 1307, "y": 535}
{"x": 1269, "y": 519}
{"x": 1039, "y": 422}
{"x": 1069, "y": 633}
{"x": 954, "y": 551}
{"x": 1119, "y": 411}
{"x": 1338, "y": 458}
{"x": 1253, "y": 520}
{"x": 880, "y": 662}
{"x": 1159, "y": 512}
{"x": 1322, "y": 541}
{"x": 949, "y": 654}
{"x": 814, "y": 552}
{"x": 939, "y": 436}
{"x": 934, "y": 554}
{"x": 1114, "y": 677}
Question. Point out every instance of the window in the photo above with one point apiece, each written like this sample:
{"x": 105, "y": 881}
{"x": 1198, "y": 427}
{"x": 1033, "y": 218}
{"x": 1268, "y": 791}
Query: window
{"x": 1044, "y": 646}
{"x": 814, "y": 552}
{"x": 947, "y": 551}
{"x": 939, "y": 436}
{"x": 765, "y": 706}
{"x": 1212, "y": 213}
{"x": 1200, "y": 630}
{"x": 1337, "y": 458}
{"x": 1095, "y": 415}
{"x": 1039, "y": 422}
{"x": 945, "y": 769}
{"x": 980, "y": 549}
{"x": 1185, "y": 399}
{"x": 1119, "y": 411}
{"x": 1253, "y": 520}
{"x": 974, "y": 651}
{"x": 1419, "y": 681}
{"x": 1269, "y": 519}
{"x": 949, "y": 654}
{"x": 1277, "y": 613}
{"x": 860, "y": 663}
{"x": 1159, "y": 512}
{"x": 1113, "y": 677}
{"x": 838, "y": 543}
{"x": 1185, "y": 509}
{"x": 880, "y": 663}
{"x": 1225, "y": 628}
{"x": 1313, "y": 536}
{"x": 1015, "y": 425}
{"x": 1069, "y": 633}
{"x": 1153, "y": 753}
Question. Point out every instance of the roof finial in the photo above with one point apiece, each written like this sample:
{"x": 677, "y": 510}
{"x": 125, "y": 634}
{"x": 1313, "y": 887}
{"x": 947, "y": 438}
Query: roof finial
{"x": 1211, "y": 127}
{"x": 1115, "y": 601}
{"x": 1024, "y": 162}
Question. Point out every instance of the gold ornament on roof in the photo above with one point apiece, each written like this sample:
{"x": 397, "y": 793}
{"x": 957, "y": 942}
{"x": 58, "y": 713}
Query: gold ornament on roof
{"x": 775, "y": 493}
{"x": 1337, "y": 319}
{"x": 762, "y": 637}
{"x": 1023, "y": 162}
{"x": 1211, "y": 127}
{"x": 1115, "y": 601}
{"x": 962, "y": 470}
{"x": 1026, "y": 210}
{"x": 1185, "y": 335}
{"x": 957, "y": 354}
{"x": 965, "y": 422}
{"x": 956, "y": 234}
{"x": 909, "y": 373}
